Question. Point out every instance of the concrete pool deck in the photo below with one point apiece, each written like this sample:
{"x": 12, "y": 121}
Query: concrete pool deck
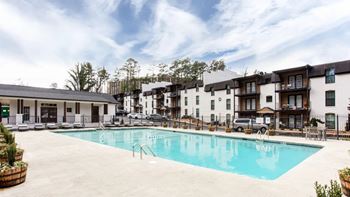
{"x": 65, "y": 166}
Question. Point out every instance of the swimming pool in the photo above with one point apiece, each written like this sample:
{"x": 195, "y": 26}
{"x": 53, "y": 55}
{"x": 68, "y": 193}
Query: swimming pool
{"x": 263, "y": 160}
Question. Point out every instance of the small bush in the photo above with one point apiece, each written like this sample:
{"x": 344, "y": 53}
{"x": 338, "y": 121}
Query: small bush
{"x": 11, "y": 153}
{"x": 333, "y": 190}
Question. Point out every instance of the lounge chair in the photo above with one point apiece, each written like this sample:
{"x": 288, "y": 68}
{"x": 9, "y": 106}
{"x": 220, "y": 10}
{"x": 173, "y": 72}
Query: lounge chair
{"x": 51, "y": 126}
{"x": 77, "y": 125}
{"x": 23, "y": 127}
{"x": 39, "y": 126}
{"x": 108, "y": 124}
{"x": 148, "y": 124}
{"x": 117, "y": 124}
{"x": 137, "y": 123}
{"x": 66, "y": 125}
{"x": 9, "y": 127}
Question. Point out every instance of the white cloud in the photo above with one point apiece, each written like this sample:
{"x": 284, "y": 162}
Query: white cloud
{"x": 44, "y": 38}
{"x": 173, "y": 29}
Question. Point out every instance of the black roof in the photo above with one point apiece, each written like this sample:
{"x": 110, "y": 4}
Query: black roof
{"x": 320, "y": 70}
{"x": 53, "y": 94}
{"x": 222, "y": 85}
{"x": 193, "y": 84}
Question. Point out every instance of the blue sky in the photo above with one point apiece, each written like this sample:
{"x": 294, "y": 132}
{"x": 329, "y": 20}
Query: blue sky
{"x": 41, "y": 39}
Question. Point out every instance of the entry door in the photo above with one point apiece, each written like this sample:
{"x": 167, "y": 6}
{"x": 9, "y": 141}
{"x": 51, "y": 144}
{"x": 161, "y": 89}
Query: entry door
{"x": 48, "y": 114}
{"x": 95, "y": 114}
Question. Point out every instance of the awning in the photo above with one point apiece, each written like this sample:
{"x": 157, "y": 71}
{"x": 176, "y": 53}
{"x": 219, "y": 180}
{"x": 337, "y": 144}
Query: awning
{"x": 265, "y": 110}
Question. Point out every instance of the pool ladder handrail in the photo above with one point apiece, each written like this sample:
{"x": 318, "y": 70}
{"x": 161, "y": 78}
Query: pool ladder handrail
{"x": 262, "y": 135}
{"x": 101, "y": 126}
{"x": 142, "y": 149}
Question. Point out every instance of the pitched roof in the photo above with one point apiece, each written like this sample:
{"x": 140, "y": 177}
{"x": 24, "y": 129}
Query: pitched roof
{"x": 53, "y": 94}
{"x": 222, "y": 85}
{"x": 340, "y": 68}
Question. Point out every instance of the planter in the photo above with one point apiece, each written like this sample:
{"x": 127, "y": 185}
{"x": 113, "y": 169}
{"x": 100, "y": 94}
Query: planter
{"x": 3, "y": 146}
{"x": 13, "y": 176}
{"x": 165, "y": 126}
{"x": 248, "y": 131}
{"x": 185, "y": 127}
{"x": 212, "y": 129}
{"x": 345, "y": 183}
{"x": 175, "y": 126}
{"x": 197, "y": 128}
{"x": 18, "y": 157}
{"x": 228, "y": 130}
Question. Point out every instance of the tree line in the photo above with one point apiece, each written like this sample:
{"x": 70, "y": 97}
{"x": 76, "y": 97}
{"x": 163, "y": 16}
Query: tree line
{"x": 83, "y": 77}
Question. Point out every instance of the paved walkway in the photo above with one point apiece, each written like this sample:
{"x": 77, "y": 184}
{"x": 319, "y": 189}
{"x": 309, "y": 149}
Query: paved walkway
{"x": 64, "y": 166}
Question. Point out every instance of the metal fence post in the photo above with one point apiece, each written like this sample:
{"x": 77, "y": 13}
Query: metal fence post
{"x": 337, "y": 126}
{"x": 202, "y": 123}
{"x": 216, "y": 123}
{"x": 83, "y": 121}
{"x": 190, "y": 120}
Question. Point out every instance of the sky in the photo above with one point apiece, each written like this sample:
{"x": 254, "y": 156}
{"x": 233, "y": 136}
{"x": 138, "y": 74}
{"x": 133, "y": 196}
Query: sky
{"x": 40, "y": 40}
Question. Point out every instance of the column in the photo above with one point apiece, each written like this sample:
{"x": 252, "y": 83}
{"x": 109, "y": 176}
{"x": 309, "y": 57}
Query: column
{"x": 36, "y": 111}
{"x": 64, "y": 111}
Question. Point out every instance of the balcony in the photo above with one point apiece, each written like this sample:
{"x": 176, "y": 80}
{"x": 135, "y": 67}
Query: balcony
{"x": 243, "y": 110}
{"x": 174, "y": 94}
{"x": 250, "y": 93}
{"x": 135, "y": 96}
{"x": 291, "y": 108}
{"x": 282, "y": 88}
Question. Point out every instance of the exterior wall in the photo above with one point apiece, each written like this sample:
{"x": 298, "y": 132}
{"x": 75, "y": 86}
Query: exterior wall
{"x": 267, "y": 90}
{"x": 191, "y": 101}
{"x": 128, "y": 104}
{"x": 147, "y": 109}
{"x": 85, "y": 110}
{"x": 342, "y": 98}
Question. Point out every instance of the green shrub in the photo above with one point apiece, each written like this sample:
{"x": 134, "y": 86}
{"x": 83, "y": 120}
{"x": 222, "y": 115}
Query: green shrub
{"x": 333, "y": 190}
{"x": 344, "y": 173}
{"x": 11, "y": 153}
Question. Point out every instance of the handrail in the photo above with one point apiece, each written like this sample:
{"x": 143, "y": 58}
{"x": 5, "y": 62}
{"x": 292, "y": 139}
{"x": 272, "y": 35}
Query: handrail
{"x": 142, "y": 149}
{"x": 101, "y": 126}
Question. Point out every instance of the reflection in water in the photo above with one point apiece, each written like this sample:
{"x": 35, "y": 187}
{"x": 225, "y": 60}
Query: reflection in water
{"x": 257, "y": 159}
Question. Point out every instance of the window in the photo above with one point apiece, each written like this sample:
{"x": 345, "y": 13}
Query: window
{"x": 26, "y": 113}
{"x": 228, "y": 90}
{"x": 212, "y": 104}
{"x": 197, "y": 88}
{"x": 212, "y": 91}
{"x": 212, "y": 117}
{"x": 295, "y": 81}
{"x": 197, "y": 112}
{"x": 167, "y": 101}
{"x": 330, "y": 121}
{"x": 69, "y": 110}
{"x": 268, "y": 99}
{"x": 186, "y": 112}
{"x": 186, "y": 102}
{"x": 152, "y": 106}
{"x": 105, "y": 109}
{"x": 250, "y": 87}
{"x": 250, "y": 104}
{"x": 228, "y": 104}
{"x": 330, "y": 98}
{"x": 197, "y": 100}
{"x": 330, "y": 75}
{"x": 295, "y": 101}
{"x": 228, "y": 118}
{"x": 186, "y": 90}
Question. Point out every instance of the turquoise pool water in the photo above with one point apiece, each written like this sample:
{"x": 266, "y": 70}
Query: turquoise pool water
{"x": 263, "y": 160}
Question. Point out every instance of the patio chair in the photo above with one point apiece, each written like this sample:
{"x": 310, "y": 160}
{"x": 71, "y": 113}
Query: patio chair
{"x": 51, "y": 126}
{"x": 78, "y": 125}
{"x": 66, "y": 125}
{"x": 39, "y": 126}
{"x": 23, "y": 127}
{"x": 9, "y": 127}
{"x": 312, "y": 133}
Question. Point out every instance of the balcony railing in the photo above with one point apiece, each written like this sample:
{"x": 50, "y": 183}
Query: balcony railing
{"x": 291, "y": 88}
{"x": 174, "y": 94}
{"x": 247, "y": 93}
{"x": 289, "y": 107}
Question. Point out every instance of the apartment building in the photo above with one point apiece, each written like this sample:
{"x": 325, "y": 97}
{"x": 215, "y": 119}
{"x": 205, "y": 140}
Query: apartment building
{"x": 173, "y": 100}
{"x": 293, "y": 89}
{"x": 330, "y": 95}
{"x": 120, "y": 101}
{"x": 254, "y": 96}
{"x": 190, "y": 101}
